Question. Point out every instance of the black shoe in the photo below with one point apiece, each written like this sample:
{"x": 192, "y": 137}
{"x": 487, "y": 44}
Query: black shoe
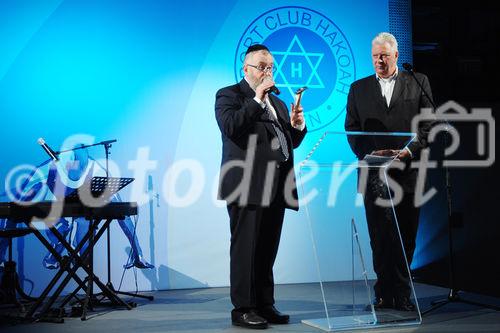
{"x": 383, "y": 303}
{"x": 404, "y": 304}
{"x": 272, "y": 315}
{"x": 248, "y": 319}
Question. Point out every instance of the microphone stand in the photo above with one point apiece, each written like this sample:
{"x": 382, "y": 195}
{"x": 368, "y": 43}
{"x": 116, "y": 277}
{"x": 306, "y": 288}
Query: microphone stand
{"x": 106, "y": 144}
{"x": 109, "y": 284}
{"x": 453, "y": 294}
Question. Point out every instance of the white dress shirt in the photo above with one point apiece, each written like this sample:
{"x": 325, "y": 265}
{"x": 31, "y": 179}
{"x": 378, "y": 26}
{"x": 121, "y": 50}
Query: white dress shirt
{"x": 387, "y": 86}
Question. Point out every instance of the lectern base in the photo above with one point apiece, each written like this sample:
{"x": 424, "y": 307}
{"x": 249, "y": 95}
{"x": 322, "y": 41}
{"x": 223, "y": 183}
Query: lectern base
{"x": 346, "y": 323}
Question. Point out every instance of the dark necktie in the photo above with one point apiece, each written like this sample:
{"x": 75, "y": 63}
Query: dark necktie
{"x": 279, "y": 132}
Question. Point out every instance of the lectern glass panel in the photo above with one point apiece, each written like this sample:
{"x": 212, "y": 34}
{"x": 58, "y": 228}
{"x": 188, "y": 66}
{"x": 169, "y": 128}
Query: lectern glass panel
{"x": 332, "y": 181}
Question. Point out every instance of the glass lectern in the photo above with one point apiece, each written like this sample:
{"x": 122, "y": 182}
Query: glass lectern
{"x": 331, "y": 180}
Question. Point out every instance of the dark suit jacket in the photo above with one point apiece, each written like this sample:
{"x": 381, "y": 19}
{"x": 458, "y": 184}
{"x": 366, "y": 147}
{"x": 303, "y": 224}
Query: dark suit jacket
{"x": 242, "y": 121}
{"x": 367, "y": 111}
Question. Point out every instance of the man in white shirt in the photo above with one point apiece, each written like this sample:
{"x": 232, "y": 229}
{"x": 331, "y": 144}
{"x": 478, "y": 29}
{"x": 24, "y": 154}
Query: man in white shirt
{"x": 387, "y": 102}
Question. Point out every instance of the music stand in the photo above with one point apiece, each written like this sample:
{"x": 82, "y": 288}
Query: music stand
{"x": 103, "y": 188}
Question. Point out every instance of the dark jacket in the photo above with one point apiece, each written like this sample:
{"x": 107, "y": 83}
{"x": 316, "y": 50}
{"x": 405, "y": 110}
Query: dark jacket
{"x": 367, "y": 111}
{"x": 245, "y": 128}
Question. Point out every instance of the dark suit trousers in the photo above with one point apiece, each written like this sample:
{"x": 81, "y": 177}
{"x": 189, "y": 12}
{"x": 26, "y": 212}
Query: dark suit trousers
{"x": 388, "y": 259}
{"x": 255, "y": 236}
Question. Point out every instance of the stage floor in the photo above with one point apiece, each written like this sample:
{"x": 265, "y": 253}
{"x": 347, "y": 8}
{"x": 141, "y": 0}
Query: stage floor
{"x": 208, "y": 310}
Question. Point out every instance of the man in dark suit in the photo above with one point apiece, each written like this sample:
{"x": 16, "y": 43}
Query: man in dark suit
{"x": 387, "y": 102}
{"x": 257, "y": 181}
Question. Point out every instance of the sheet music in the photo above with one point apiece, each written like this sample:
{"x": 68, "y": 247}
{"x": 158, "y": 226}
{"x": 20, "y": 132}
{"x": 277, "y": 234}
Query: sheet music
{"x": 377, "y": 159}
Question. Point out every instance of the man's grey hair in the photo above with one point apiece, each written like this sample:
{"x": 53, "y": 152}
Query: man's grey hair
{"x": 385, "y": 37}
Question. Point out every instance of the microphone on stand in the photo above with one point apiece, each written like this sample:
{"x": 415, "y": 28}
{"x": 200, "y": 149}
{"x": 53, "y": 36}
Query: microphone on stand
{"x": 48, "y": 150}
{"x": 409, "y": 68}
{"x": 107, "y": 142}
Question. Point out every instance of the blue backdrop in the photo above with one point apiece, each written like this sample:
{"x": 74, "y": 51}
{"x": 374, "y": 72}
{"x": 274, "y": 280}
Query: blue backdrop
{"x": 145, "y": 73}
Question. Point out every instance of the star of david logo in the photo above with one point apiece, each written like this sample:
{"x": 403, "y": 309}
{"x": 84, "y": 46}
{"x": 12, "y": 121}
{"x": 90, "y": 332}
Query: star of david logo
{"x": 296, "y": 50}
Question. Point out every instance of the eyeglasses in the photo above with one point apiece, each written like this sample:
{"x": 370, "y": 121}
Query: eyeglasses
{"x": 268, "y": 69}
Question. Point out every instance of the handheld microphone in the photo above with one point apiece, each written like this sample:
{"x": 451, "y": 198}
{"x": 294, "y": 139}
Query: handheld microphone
{"x": 48, "y": 150}
{"x": 275, "y": 90}
{"x": 272, "y": 89}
